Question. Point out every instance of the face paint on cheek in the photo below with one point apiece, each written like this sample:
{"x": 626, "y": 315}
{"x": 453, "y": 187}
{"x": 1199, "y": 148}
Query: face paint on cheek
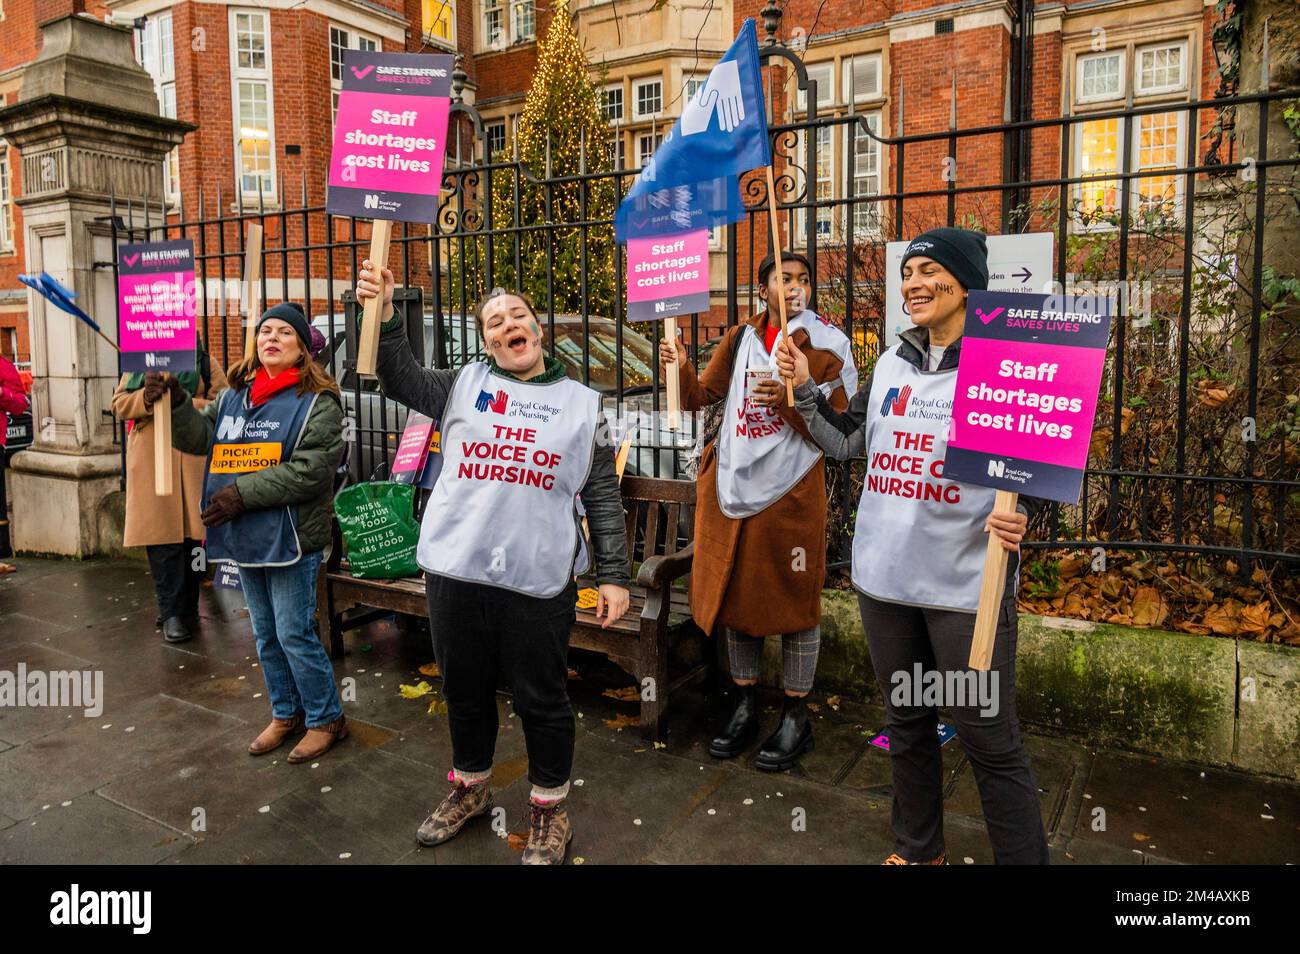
{"x": 945, "y": 288}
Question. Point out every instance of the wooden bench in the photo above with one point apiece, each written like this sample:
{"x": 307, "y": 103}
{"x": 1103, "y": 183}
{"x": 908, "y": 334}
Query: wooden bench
{"x": 660, "y": 523}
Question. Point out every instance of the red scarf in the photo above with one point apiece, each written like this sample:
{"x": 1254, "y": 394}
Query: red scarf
{"x": 265, "y": 387}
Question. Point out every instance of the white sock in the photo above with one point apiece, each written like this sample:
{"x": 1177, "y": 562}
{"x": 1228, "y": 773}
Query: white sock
{"x": 470, "y": 778}
{"x": 545, "y": 796}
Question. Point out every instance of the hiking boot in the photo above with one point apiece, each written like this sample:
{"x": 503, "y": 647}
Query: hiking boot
{"x": 792, "y": 738}
{"x": 549, "y": 834}
{"x": 740, "y": 728}
{"x": 273, "y": 736}
{"x": 897, "y": 859}
{"x": 319, "y": 740}
{"x": 461, "y": 804}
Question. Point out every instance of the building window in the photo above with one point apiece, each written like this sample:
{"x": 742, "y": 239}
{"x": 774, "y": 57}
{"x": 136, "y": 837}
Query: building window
{"x": 6, "y": 201}
{"x": 342, "y": 40}
{"x": 691, "y": 86}
{"x": 822, "y": 193}
{"x": 1157, "y": 141}
{"x": 617, "y": 150}
{"x": 153, "y": 51}
{"x": 438, "y": 22}
{"x": 1101, "y": 77}
{"x": 646, "y": 144}
{"x": 1160, "y": 69}
{"x": 494, "y": 139}
{"x": 611, "y": 103}
{"x": 649, "y": 97}
{"x": 506, "y": 22}
{"x": 865, "y": 159}
{"x": 824, "y": 74}
{"x": 861, "y": 78}
{"x": 523, "y": 21}
{"x": 250, "y": 80}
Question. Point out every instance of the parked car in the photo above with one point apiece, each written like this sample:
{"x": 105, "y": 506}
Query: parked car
{"x": 379, "y": 422}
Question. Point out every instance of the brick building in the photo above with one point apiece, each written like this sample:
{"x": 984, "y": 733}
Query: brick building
{"x": 258, "y": 79}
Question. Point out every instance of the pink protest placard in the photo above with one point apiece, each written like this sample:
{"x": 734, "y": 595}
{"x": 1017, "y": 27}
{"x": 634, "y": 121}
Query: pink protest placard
{"x": 668, "y": 276}
{"x": 412, "y": 449}
{"x": 1026, "y": 392}
{"x": 155, "y": 306}
{"x": 390, "y": 135}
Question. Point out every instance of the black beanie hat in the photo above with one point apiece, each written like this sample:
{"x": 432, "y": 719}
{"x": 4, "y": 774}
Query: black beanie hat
{"x": 291, "y": 313}
{"x": 767, "y": 264}
{"x": 962, "y": 251}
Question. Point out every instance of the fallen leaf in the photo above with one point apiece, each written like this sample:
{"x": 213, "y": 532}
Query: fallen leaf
{"x": 1140, "y": 837}
{"x": 1149, "y": 607}
{"x": 621, "y": 722}
{"x": 517, "y": 841}
{"x": 437, "y": 707}
{"x": 421, "y": 688}
{"x": 573, "y": 674}
{"x": 626, "y": 694}
{"x": 430, "y": 669}
{"x": 833, "y": 702}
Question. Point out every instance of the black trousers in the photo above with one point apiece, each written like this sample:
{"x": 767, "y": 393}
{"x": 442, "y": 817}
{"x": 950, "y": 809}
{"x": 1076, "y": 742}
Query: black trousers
{"x": 900, "y": 636}
{"x": 175, "y": 581}
{"x": 482, "y": 634}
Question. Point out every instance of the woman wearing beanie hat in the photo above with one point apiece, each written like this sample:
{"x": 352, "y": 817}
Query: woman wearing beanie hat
{"x": 273, "y": 442}
{"x": 918, "y": 556}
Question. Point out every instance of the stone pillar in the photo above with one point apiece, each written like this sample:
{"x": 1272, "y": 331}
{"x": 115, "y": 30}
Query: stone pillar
{"x": 87, "y": 128}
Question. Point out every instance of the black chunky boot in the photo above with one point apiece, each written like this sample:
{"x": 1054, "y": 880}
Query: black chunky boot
{"x": 792, "y": 738}
{"x": 740, "y": 728}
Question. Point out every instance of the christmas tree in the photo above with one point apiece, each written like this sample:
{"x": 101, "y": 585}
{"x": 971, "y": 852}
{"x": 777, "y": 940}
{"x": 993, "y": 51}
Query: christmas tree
{"x": 562, "y": 132}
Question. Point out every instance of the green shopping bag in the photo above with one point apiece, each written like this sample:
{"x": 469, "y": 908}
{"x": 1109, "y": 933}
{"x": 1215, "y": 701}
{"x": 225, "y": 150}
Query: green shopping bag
{"x": 379, "y": 529}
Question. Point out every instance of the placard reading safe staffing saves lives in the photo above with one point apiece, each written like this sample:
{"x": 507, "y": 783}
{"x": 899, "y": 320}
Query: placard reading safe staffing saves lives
{"x": 390, "y": 136}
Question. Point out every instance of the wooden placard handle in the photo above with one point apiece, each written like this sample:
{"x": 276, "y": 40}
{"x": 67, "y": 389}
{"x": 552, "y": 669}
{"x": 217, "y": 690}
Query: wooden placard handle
{"x": 252, "y": 286}
{"x": 368, "y": 340}
{"x": 992, "y": 587}
{"x": 780, "y": 273}
{"x": 162, "y": 445}
{"x": 674, "y": 378}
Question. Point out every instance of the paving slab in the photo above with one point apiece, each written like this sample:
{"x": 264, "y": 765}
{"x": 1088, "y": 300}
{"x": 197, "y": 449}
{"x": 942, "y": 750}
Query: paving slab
{"x": 1188, "y": 814}
{"x": 92, "y": 753}
{"x": 89, "y": 831}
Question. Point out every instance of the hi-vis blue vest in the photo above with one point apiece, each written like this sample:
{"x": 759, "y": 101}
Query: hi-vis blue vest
{"x": 249, "y": 439}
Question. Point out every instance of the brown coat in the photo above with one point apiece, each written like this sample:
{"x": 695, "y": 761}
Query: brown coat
{"x": 746, "y": 575}
{"x": 151, "y": 519}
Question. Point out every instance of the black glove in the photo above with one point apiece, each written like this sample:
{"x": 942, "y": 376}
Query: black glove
{"x": 157, "y": 384}
{"x": 225, "y": 505}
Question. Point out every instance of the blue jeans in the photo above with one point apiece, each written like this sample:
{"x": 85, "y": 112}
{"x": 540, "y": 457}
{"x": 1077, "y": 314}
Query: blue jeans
{"x": 282, "y": 607}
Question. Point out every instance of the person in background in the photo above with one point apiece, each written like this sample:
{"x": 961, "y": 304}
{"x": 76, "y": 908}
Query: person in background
{"x": 760, "y": 523}
{"x": 169, "y": 528}
{"x": 13, "y": 400}
{"x": 273, "y": 441}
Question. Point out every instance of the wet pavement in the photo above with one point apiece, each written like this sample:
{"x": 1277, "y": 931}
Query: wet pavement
{"x": 162, "y": 773}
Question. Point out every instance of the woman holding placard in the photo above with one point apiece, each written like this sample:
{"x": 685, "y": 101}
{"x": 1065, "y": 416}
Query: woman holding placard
{"x": 500, "y": 545}
{"x": 273, "y": 441}
{"x": 760, "y": 518}
{"x": 169, "y": 528}
{"x": 918, "y": 558}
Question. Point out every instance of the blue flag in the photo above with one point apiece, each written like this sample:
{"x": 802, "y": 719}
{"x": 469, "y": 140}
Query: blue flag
{"x": 48, "y": 287}
{"x": 682, "y": 208}
{"x": 722, "y": 133}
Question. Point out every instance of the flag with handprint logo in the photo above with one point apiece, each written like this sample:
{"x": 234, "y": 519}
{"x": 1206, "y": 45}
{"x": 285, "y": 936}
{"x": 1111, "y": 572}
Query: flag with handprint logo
{"x": 691, "y": 181}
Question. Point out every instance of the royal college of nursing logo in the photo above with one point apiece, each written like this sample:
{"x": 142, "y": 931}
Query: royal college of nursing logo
{"x": 486, "y": 402}
{"x": 896, "y": 401}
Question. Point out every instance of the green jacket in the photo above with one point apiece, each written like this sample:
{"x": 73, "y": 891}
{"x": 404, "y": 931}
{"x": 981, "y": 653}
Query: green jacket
{"x": 305, "y": 479}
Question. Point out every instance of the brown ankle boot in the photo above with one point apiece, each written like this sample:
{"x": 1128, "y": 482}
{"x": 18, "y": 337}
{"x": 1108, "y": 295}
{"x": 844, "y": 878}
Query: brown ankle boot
{"x": 273, "y": 735}
{"x": 319, "y": 740}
